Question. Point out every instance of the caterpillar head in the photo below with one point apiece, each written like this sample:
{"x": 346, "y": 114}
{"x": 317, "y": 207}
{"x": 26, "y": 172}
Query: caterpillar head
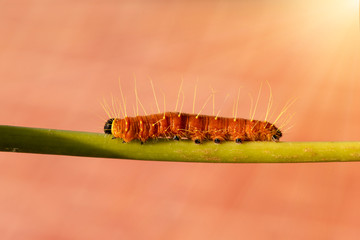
{"x": 108, "y": 125}
{"x": 121, "y": 128}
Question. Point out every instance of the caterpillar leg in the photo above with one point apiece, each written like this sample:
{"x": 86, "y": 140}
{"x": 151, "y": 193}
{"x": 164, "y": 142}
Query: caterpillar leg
{"x": 238, "y": 139}
{"x": 218, "y": 139}
{"x": 113, "y": 138}
{"x": 197, "y": 138}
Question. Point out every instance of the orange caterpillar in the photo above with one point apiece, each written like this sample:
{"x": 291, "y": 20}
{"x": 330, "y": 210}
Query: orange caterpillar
{"x": 198, "y": 128}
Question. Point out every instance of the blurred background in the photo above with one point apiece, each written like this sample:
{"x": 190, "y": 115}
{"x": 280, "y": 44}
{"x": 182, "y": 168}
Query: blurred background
{"x": 60, "y": 59}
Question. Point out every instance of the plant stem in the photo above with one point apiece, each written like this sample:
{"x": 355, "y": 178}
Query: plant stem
{"x": 60, "y": 142}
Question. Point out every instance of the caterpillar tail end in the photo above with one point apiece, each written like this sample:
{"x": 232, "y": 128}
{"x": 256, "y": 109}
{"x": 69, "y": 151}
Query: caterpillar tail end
{"x": 277, "y": 136}
{"x": 108, "y": 125}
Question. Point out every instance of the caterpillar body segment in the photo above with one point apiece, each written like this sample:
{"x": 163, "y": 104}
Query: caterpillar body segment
{"x": 198, "y": 128}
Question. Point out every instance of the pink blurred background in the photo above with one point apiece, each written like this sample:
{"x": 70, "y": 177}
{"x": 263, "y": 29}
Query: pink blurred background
{"x": 59, "y": 59}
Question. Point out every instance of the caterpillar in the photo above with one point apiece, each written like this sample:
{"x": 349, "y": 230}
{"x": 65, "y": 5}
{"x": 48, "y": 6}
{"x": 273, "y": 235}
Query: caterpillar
{"x": 198, "y": 128}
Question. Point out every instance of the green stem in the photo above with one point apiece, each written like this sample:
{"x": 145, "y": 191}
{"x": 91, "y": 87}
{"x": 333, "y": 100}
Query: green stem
{"x": 60, "y": 142}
